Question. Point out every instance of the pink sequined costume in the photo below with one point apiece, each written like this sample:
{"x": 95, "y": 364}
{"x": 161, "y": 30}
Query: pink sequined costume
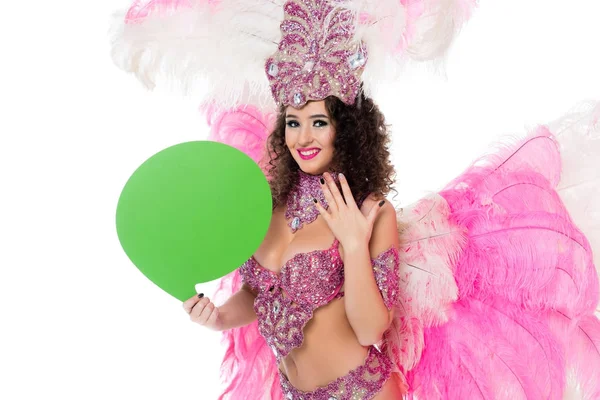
{"x": 285, "y": 302}
{"x": 496, "y": 284}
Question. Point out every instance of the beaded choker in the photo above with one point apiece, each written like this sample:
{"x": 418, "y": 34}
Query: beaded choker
{"x": 301, "y": 208}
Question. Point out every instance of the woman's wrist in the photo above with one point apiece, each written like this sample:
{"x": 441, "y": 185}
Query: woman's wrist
{"x": 356, "y": 249}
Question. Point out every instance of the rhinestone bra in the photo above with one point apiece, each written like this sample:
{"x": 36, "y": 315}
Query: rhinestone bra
{"x": 285, "y": 302}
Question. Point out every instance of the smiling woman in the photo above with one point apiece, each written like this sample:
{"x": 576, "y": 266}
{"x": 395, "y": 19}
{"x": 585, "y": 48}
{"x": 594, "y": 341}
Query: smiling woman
{"x": 323, "y": 283}
{"x": 460, "y": 295}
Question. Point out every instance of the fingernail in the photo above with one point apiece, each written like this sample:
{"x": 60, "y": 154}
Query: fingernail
{"x": 341, "y": 175}
{"x": 381, "y": 203}
{"x": 200, "y": 295}
{"x": 315, "y": 200}
{"x": 322, "y": 181}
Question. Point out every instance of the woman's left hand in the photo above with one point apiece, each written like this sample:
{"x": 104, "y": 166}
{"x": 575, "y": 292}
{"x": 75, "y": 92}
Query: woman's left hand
{"x": 348, "y": 223}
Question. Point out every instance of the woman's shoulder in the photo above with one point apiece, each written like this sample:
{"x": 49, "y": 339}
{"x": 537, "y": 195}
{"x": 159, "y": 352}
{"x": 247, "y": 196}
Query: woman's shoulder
{"x": 385, "y": 226}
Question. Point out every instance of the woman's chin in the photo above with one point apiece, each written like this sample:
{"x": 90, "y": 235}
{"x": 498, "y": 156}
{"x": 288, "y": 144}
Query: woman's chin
{"x": 315, "y": 166}
{"x": 312, "y": 169}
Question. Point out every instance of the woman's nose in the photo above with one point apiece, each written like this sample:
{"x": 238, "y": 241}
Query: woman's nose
{"x": 305, "y": 135}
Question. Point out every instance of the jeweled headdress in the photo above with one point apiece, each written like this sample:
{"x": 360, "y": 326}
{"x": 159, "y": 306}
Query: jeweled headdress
{"x": 318, "y": 55}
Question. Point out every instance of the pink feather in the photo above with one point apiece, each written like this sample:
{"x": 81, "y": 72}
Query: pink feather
{"x": 490, "y": 350}
{"x": 537, "y": 261}
{"x": 521, "y": 237}
{"x": 244, "y": 128}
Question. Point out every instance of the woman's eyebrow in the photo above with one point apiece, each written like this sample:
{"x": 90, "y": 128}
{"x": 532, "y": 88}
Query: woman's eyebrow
{"x": 311, "y": 117}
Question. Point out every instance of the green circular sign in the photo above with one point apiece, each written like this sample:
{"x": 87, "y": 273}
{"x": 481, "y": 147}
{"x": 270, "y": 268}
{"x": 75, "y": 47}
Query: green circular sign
{"x": 193, "y": 213}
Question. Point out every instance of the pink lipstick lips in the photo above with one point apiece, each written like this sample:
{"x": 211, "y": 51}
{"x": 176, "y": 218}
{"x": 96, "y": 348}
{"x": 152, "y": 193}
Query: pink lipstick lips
{"x": 308, "y": 154}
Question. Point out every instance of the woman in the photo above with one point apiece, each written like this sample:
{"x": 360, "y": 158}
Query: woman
{"x": 491, "y": 292}
{"x": 309, "y": 146}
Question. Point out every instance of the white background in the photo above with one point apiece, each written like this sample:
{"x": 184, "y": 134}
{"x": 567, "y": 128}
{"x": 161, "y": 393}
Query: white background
{"x": 78, "y": 321}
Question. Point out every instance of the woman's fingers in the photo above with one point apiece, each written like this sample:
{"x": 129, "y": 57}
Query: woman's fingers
{"x": 324, "y": 213}
{"x": 199, "y": 308}
{"x": 374, "y": 211}
{"x": 334, "y": 191}
{"x": 333, "y": 206}
{"x": 348, "y": 197}
{"x": 190, "y": 303}
{"x": 205, "y": 314}
{"x": 202, "y": 311}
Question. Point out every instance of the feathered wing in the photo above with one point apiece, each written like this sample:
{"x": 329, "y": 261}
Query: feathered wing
{"x": 516, "y": 319}
{"x": 217, "y": 49}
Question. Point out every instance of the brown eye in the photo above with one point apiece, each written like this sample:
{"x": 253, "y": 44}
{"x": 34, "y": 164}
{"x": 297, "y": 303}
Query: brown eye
{"x": 320, "y": 123}
{"x": 293, "y": 124}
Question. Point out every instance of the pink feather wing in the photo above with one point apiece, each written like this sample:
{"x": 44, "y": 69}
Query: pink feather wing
{"x": 523, "y": 323}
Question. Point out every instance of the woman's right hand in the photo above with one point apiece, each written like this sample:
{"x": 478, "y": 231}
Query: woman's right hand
{"x": 202, "y": 311}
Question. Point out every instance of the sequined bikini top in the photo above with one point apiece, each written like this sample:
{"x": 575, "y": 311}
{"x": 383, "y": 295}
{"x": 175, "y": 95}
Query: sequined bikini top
{"x": 285, "y": 302}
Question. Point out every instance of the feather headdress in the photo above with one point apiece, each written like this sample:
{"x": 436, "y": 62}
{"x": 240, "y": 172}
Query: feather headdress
{"x": 217, "y": 49}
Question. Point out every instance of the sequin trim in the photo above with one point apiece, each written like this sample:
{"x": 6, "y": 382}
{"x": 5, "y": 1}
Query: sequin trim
{"x": 386, "y": 269}
{"x": 362, "y": 383}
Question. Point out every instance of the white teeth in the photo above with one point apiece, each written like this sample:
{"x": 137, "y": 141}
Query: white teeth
{"x": 309, "y": 153}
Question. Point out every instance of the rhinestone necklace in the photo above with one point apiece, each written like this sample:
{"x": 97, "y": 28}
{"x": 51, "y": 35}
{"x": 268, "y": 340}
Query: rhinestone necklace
{"x": 301, "y": 208}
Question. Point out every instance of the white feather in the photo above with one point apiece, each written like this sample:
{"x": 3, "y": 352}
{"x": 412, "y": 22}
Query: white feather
{"x": 430, "y": 247}
{"x": 437, "y": 28}
{"x": 222, "y": 50}
{"x": 391, "y": 45}
{"x": 578, "y": 134}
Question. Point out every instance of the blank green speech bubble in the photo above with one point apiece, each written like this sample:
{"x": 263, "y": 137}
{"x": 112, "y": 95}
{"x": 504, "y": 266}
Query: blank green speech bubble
{"x": 193, "y": 213}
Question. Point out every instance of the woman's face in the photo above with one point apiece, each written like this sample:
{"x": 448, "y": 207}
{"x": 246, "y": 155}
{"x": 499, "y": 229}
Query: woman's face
{"x": 309, "y": 135}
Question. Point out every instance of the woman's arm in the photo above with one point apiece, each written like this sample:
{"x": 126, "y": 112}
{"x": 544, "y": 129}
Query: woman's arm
{"x": 238, "y": 310}
{"x": 365, "y": 306}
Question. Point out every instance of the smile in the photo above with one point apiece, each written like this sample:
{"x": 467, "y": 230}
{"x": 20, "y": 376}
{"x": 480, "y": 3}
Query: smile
{"x": 307, "y": 154}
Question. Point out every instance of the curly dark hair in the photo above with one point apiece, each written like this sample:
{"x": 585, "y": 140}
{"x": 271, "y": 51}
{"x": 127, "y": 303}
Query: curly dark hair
{"x": 361, "y": 151}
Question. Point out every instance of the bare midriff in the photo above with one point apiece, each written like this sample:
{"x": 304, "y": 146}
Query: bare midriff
{"x": 330, "y": 350}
